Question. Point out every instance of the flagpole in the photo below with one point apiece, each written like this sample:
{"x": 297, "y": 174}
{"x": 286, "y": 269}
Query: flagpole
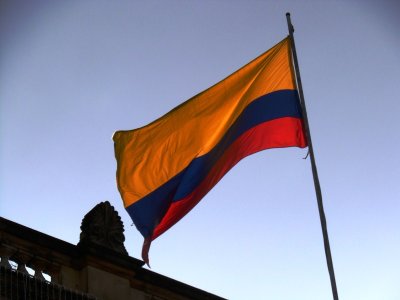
{"x": 313, "y": 165}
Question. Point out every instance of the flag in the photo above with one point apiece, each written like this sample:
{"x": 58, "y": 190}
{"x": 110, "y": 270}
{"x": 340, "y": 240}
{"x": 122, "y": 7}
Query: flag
{"x": 166, "y": 167}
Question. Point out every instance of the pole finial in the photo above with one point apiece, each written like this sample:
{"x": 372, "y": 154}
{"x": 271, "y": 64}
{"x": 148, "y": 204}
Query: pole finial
{"x": 289, "y": 22}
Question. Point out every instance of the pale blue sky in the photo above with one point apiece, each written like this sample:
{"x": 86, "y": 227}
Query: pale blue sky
{"x": 73, "y": 72}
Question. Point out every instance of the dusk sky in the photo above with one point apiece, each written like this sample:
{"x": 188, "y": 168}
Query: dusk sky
{"x": 74, "y": 72}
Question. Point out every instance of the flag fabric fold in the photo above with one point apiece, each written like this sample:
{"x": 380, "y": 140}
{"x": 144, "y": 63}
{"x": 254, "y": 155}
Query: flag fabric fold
{"x": 165, "y": 168}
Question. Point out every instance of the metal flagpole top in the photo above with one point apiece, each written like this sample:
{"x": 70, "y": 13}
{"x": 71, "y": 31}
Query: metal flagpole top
{"x": 291, "y": 28}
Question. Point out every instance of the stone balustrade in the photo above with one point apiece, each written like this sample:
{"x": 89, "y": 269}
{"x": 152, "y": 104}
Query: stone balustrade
{"x": 34, "y": 265}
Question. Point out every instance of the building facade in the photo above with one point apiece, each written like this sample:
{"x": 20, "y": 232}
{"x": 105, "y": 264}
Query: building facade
{"x": 38, "y": 266}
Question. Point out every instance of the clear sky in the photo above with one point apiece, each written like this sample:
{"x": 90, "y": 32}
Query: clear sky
{"x": 73, "y": 72}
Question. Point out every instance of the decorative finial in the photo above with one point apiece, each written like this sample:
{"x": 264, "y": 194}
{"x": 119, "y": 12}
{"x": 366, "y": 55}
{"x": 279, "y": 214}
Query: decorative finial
{"x": 103, "y": 226}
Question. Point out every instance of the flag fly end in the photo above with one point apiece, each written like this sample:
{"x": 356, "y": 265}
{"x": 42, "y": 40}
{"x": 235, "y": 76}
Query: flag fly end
{"x": 112, "y": 136}
{"x": 145, "y": 251}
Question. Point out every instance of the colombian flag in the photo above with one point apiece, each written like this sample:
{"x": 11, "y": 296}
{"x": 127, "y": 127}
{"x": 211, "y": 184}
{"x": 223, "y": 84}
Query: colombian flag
{"x": 166, "y": 167}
